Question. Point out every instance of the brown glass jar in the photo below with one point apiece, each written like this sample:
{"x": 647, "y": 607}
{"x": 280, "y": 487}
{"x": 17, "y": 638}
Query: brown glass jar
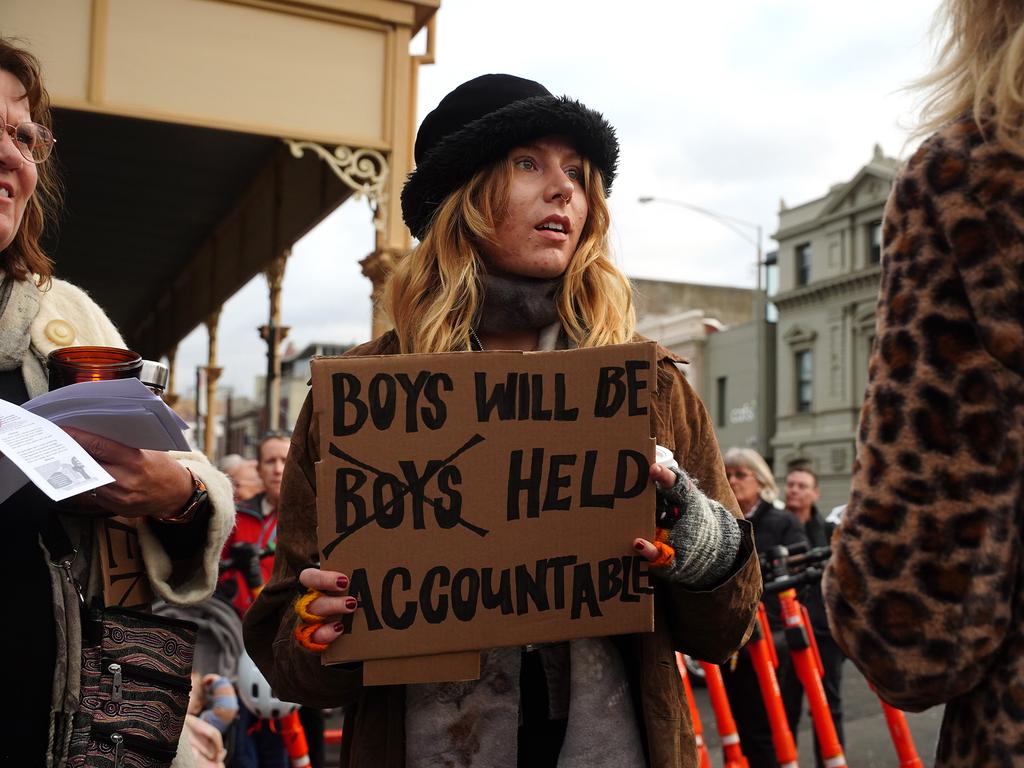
{"x": 72, "y": 365}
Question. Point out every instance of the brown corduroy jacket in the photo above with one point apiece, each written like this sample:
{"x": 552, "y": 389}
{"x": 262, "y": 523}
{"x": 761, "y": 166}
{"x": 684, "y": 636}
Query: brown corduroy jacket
{"x": 709, "y": 624}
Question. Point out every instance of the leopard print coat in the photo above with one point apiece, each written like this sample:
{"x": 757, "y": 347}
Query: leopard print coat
{"x": 924, "y": 590}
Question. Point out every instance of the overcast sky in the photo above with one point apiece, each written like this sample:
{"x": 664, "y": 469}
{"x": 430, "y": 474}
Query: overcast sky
{"x": 729, "y": 106}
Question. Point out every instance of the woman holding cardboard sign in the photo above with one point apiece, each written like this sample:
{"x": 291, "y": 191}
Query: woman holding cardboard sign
{"x": 508, "y": 201}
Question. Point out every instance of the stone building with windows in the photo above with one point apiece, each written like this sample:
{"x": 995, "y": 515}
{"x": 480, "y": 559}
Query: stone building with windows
{"x": 828, "y": 271}
{"x": 713, "y": 327}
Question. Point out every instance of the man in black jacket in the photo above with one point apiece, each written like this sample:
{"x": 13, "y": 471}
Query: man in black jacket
{"x": 802, "y": 493}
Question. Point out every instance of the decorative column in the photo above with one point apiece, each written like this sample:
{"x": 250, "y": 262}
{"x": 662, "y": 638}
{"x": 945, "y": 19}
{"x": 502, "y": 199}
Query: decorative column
{"x": 377, "y": 266}
{"x": 212, "y": 374}
{"x": 170, "y": 394}
{"x": 274, "y": 333}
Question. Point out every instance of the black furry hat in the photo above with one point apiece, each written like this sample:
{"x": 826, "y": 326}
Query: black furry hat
{"x": 479, "y": 122}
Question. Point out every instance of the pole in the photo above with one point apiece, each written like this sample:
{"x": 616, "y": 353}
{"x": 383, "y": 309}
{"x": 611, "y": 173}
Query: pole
{"x": 761, "y": 658}
{"x": 727, "y": 732}
{"x": 761, "y": 353}
{"x": 760, "y": 335}
{"x": 212, "y": 374}
{"x": 199, "y": 421}
{"x": 698, "y": 727}
{"x": 806, "y": 666}
{"x": 274, "y": 334}
{"x": 906, "y": 753}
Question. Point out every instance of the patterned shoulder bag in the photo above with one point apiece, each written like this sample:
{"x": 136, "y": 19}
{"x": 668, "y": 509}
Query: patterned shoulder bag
{"x": 136, "y": 676}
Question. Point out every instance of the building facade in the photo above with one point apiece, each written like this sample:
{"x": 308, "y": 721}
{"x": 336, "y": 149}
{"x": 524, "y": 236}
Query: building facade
{"x": 713, "y": 328}
{"x": 828, "y": 272}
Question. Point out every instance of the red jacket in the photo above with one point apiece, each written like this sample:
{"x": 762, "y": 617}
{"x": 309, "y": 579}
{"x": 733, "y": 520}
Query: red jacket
{"x": 251, "y": 528}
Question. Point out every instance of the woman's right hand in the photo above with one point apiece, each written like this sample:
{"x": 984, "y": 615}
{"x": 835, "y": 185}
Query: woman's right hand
{"x": 330, "y": 604}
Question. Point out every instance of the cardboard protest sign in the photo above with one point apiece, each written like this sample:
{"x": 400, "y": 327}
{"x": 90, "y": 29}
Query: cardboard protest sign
{"x": 486, "y": 499}
{"x": 125, "y": 583}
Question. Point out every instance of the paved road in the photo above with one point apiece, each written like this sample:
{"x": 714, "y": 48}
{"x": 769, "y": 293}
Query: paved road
{"x": 867, "y": 737}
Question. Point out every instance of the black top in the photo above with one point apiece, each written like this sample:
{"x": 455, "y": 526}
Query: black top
{"x": 28, "y": 600}
{"x": 772, "y": 528}
{"x": 819, "y": 533}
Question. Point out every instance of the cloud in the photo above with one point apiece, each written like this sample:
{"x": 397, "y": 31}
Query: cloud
{"x": 729, "y": 106}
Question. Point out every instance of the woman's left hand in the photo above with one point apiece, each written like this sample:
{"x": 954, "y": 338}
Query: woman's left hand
{"x": 146, "y": 483}
{"x": 663, "y": 477}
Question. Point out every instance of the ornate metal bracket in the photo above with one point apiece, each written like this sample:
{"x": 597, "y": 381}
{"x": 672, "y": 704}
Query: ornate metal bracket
{"x": 364, "y": 171}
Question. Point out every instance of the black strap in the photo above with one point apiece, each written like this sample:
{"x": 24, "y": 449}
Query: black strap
{"x": 55, "y": 538}
{"x": 62, "y": 555}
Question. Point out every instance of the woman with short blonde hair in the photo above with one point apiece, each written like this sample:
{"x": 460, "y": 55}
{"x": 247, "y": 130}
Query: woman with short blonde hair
{"x": 756, "y": 493}
{"x": 751, "y": 461}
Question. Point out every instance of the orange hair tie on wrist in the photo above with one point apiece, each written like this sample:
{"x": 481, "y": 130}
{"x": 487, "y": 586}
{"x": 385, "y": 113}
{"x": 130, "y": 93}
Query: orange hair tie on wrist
{"x": 665, "y": 555}
{"x": 302, "y": 607}
{"x": 304, "y": 637}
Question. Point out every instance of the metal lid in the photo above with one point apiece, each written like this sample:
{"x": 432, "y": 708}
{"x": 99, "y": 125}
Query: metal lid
{"x": 154, "y": 375}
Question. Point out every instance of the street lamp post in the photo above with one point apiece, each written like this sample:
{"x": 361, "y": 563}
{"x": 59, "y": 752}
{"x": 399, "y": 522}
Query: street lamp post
{"x": 735, "y": 225}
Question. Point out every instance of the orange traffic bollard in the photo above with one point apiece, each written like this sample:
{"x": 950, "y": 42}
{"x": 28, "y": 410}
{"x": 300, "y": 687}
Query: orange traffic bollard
{"x": 698, "y": 728}
{"x": 807, "y": 665}
{"x": 731, "y": 748}
{"x": 760, "y": 649}
{"x": 332, "y": 736}
{"x": 906, "y": 752}
{"x": 294, "y": 738}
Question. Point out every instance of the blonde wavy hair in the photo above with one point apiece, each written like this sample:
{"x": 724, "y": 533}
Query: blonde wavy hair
{"x": 434, "y": 294}
{"x": 980, "y": 69}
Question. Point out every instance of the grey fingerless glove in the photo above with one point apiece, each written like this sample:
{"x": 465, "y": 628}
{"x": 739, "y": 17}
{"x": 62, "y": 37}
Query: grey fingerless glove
{"x": 704, "y": 534}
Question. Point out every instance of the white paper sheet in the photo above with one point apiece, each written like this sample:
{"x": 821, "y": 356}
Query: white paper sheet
{"x": 45, "y": 454}
{"x": 124, "y": 410}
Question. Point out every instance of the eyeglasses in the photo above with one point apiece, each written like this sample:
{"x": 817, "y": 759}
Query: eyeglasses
{"x": 34, "y": 141}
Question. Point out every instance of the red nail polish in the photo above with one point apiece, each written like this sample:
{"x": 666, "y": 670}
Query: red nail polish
{"x": 338, "y": 627}
{"x": 351, "y": 603}
{"x": 639, "y": 546}
{"x": 342, "y": 582}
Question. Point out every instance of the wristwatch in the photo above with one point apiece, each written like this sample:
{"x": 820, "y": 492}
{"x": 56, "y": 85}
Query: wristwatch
{"x": 195, "y": 501}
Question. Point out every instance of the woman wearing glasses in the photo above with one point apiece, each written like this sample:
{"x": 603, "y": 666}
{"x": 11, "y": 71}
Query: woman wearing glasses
{"x": 756, "y": 493}
{"x": 185, "y": 505}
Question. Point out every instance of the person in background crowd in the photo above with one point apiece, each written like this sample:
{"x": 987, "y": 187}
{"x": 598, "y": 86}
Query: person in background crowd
{"x": 802, "y": 494}
{"x": 229, "y": 461}
{"x": 508, "y": 202}
{"x": 925, "y": 590}
{"x": 257, "y": 525}
{"x": 245, "y": 477}
{"x": 758, "y": 497}
{"x": 256, "y": 521}
{"x": 182, "y": 503}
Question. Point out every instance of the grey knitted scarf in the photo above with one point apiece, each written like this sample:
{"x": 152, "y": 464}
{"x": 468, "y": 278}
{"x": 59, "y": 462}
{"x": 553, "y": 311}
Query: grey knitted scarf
{"x": 19, "y": 304}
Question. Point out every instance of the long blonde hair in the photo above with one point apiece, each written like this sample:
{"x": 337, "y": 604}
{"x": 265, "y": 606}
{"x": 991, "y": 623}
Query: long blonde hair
{"x": 433, "y": 295}
{"x": 980, "y": 69}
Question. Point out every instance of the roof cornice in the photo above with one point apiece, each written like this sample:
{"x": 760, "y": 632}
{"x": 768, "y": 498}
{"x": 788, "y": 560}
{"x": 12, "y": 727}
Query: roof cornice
{"x": 816, "y": 292}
